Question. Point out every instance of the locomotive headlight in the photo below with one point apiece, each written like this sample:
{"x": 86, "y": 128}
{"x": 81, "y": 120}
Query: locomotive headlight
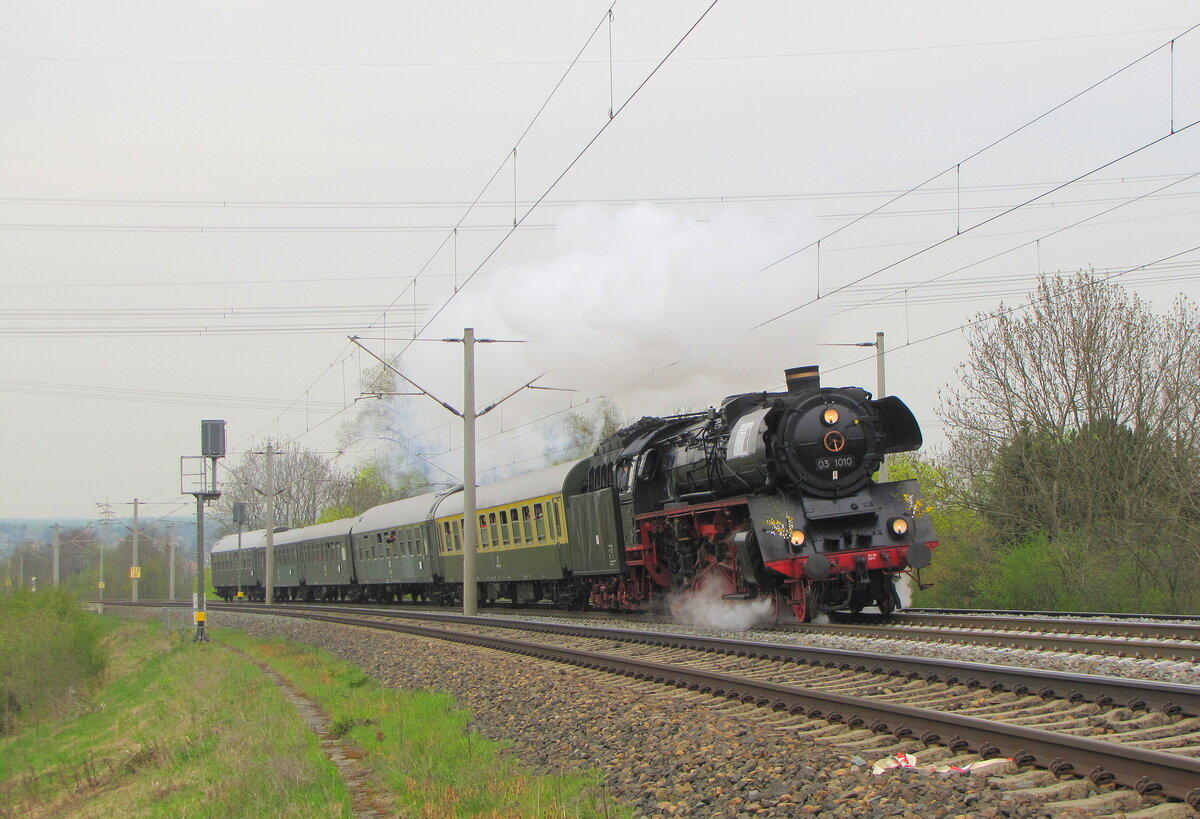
{"x": 898, "y": 527}
{"x": 830, "y": 416}
{"x": 797, "y": 538}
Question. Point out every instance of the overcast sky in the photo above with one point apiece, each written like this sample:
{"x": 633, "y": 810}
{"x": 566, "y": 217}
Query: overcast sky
{"x": 200, "y": 202}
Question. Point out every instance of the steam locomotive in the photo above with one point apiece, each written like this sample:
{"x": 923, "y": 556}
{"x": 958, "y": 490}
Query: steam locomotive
{"x": 770, "y": 497}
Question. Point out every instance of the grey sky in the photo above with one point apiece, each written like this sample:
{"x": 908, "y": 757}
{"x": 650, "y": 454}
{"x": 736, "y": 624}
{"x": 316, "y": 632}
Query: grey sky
{"x": 221, "y": 176}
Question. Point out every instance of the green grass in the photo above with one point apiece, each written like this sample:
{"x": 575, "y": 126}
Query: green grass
{"x": 197, "y": 730}
{"x": 421, "y": 744}
{"x": 51, "y": 653}
{"x": 173, "y": 734}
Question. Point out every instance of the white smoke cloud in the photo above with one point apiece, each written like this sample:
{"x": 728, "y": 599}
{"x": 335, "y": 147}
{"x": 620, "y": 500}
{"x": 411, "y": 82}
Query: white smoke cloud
{"x": 706, "y": 607}
{"x": 653, "y": 308}
{"x": 641, "y": 304}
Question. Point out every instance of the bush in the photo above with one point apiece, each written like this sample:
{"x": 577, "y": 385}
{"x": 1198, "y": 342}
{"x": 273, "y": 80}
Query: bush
{"x": 52, "y": 648}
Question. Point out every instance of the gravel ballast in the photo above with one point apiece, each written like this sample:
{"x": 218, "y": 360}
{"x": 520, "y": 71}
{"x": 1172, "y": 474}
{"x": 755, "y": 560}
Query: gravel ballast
{"x": 664, "y": 753}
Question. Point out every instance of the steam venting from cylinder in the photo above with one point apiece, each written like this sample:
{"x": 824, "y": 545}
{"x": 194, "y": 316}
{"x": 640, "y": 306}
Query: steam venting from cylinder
{"x": 803, "y": 379}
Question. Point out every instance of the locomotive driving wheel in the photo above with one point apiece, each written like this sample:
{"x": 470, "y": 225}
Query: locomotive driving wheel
{"x": 803, "y": 602}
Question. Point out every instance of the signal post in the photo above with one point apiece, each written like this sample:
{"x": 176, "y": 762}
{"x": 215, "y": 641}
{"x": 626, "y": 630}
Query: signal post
{"x": 212, "y": 448}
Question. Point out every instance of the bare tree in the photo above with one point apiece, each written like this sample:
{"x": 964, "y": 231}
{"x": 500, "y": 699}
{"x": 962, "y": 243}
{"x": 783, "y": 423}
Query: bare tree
{"x": 1077, "y": 421}
{"x": 306, "y": 483}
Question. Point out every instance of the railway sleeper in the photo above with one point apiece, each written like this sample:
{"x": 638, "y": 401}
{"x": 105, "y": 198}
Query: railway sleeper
{"x": 1119, "y": 800}
{"x": 844, "y": 737}
{"x": 1188, "y": 742}
{"x": 1055, "y": 791}
{"x": 1146, "y": 725}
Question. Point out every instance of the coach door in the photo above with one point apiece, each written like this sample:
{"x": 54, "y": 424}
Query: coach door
{"x": 595, "y": 545}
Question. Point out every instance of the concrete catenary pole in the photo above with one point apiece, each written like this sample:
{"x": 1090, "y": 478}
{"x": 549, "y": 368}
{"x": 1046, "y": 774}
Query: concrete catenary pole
{"x": 135, "y": 567}
{"x": 55, "y": 544}
{"x": 201, "y": 609}
{"x": 883, "y": 467}
{"x": 269, "y": 580}
{"x": 171, "y": 562}
{"x": 470, "y": 528}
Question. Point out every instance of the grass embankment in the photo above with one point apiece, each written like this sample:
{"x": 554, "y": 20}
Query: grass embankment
{"x": 49, "y": 650}
{"x": 420, "y": 744}
{"x": 184, "y": 729}
{"x": 172, "y": 734}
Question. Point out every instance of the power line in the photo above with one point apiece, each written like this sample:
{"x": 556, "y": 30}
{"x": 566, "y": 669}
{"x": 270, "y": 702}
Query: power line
{"x": 950, "y": 238}
{"x": 898, "y": 291}
{"x": 98, "y": 392}
{"x": 980, "y": 151}
{"x": 453, "y": 234}
{"x": 854, "y": 216}
{"x": 1026, "y": 305}
{"x": 526, "y": 63}
{"x": 706, "y": 199}
{"x": 612, "y": 117}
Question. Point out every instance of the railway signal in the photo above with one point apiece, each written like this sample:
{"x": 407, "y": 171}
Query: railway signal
{"x": 204, "y": 489}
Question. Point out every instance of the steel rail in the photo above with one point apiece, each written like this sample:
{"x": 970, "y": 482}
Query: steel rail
{"x": 1005, "y": 622}
{"x": 1170, "y": 698}
{"x": 1091, "y": 615}
{"x": 1071, "y": 643}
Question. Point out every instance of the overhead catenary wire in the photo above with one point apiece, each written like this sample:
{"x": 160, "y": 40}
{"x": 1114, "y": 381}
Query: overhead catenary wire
{"x": 573, "y": 161}
{"x": 952, "y": 237}
{"x": 852, "y": 216}
{"x": 988, "y": 147}
{"x": 495, "y": 63}
{"x": 452, "y": 235}
{"x": 982, "y": 319}
{"x": 896, "y": 291}
{"x": 705, "y": 199}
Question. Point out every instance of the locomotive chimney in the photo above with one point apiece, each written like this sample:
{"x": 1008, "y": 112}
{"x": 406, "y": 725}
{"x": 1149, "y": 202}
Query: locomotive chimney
{"x": 803, "y": 379}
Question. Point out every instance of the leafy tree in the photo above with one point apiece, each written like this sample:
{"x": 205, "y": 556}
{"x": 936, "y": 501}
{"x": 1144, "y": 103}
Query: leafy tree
{"x": 1074, "y": 436}
{"x": 370, "y": 486}
{"x": 963, "y": 553}
{"x": 398, "y": 470}
{"x": 584, "y": 431}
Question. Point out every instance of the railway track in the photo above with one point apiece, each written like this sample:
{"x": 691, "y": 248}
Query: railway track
{"x": 1034, "y": 631}
{"x": 1143, "y": 640}
{"x": 1139, "y": 735}
{"x": 1153, "y": 637}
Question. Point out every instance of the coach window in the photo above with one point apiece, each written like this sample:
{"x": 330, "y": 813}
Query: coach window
{"x": 514, "y": 519}
{"x": 483, "y": 532}
{"x": 558, "y": 527}
{"x": 514, "y": 515}
{"x": 505, "y": 534}
{"x": 447, "y": 537}
{"x": 539, "y": 519}
{"x": 526, "y": 524}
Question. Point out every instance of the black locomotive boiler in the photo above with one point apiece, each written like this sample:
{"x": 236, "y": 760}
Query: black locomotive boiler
{"x": 770, "y": 497}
